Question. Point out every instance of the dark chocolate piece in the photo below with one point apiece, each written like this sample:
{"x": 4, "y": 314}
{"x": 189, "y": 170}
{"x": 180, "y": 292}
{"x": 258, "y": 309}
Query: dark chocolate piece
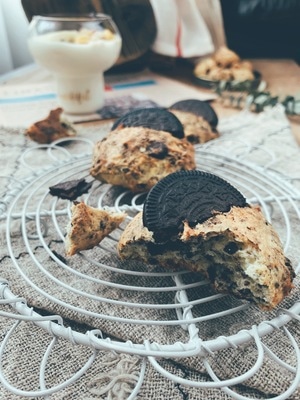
{"x": 157, "y": 150}
{"x": 70, "y": 190}
{"x": 198, "y": 107}
{"x": 192, "y": 196}
{"x": 155, "y": 118}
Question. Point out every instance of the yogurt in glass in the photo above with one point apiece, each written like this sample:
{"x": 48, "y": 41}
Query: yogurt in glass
{"x": 77, "y": 51}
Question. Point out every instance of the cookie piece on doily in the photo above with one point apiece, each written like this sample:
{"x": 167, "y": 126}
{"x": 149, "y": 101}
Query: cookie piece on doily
{"x": 89, "y": 226}
{"x": 55, "y": 126}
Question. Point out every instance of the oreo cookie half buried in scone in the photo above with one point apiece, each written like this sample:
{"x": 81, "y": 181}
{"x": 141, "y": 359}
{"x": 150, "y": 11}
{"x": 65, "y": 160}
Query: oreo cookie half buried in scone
{"x": 198, "y": 118}
{"x": 198, "y": 222}
{"x": 198, "y": 107}
{"x": 191, "y": 196}
{"x": 153, "y": 118}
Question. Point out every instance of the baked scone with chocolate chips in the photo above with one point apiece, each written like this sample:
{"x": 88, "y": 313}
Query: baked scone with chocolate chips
{"x": 89, "y": 226}
{"x": 137, "y": 158}
{"x": 198, "y": 221}
{"x": 143, "y": 147}
{"x": 198, "y": 118}
{"x": 55, "y": 126}
{"x": 224, "y": 65}
{"x": 225, "y": 57}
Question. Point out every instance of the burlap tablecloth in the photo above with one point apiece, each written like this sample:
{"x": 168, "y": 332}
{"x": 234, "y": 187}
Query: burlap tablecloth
{"x": 112, "y": 375}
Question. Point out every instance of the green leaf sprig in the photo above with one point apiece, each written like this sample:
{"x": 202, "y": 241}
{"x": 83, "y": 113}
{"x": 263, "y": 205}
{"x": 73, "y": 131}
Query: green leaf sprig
{"x": 244, "y": 95}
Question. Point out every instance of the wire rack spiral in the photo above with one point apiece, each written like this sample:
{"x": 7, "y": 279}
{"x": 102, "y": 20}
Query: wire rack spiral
{"x": 96, "y": 288}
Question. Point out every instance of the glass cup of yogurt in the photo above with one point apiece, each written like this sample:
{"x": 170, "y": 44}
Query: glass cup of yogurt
{"x": 76, "y": 50}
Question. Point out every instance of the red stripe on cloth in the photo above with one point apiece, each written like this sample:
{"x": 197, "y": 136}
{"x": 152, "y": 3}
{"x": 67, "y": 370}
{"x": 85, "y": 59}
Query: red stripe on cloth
{"x": 178, "y": 39}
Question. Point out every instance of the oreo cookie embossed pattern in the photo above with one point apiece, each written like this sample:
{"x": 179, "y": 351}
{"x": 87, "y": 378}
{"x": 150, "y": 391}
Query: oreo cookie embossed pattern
{"x": 191, "y": 196}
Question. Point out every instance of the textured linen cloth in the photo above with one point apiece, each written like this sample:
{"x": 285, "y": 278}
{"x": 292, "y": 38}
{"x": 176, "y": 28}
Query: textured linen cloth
{"x": 264, "y": 141}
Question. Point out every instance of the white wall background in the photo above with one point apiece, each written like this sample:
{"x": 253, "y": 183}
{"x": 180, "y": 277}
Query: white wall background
{"x": 14, "y": 52}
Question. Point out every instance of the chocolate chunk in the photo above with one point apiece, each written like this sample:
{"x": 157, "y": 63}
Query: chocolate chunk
{"x": 192, "y": 196}
{"x": 153, "y": 118}
{"x": 198, "y": 107}
{"x": 157, "y": 150}
{"x": 70, "y": 190}
{"x": 231, "y": 248}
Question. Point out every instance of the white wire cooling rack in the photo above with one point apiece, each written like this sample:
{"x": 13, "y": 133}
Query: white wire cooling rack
{"x": 96, "y": 288}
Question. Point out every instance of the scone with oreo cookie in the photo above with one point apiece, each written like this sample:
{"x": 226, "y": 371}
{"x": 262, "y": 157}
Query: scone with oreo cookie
{"x": 198, "y": 118}
{"x": 198, "y": 221}
{"x": 143, "y": 147}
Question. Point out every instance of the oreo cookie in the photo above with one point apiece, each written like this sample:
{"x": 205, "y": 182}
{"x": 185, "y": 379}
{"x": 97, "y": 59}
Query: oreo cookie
{"x": 192, "y": 196}
{"x": 155, "y": 118}
{"x": 198, "y": 107}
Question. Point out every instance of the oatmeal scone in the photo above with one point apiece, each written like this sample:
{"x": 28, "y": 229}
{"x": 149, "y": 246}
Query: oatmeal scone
{"x": 198, "y": 118}
{"x": 137, "y": 158}
{"x": 224, "y": 65}
{"x": 196, "y": 128}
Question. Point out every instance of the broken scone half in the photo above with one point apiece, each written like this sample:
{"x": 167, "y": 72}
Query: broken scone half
{"x": 89, "y": 226}
{"x": 197, "y": 221}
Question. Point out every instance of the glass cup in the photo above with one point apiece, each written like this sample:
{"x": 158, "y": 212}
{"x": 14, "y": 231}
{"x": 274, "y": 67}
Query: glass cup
{"x": 76, "y": 50}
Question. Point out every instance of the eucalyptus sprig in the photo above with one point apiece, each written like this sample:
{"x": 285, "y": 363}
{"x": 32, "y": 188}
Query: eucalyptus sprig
{"x": 254, "y": 97}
